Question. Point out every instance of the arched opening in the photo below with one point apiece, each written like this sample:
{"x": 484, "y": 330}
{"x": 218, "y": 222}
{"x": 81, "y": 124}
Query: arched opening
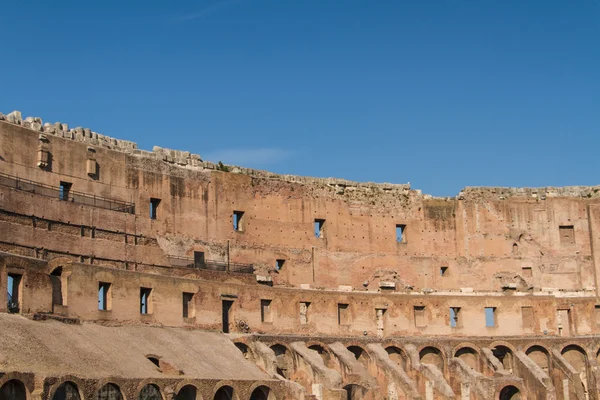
{"x": 397, "y": 356}
{"x": 188, "y": 392}
{"x": 469, "y": 356}
{"x": 576, "y": 356}
{"x": 150, "y": 392}
{"x": 325, "y": 355}
{"x": 284, "y": 360}
{"x": 360, "y": 354}
{"x": 110, "y": 391}
{"x": 539, "y": 355}
{"x": 244, "y": 349}
{"x": 509, "y": 393}
{"x": 355, "y": 392}
{"x": 262, "y": 393}
{"x": 154, "y": 360}
{"x": 13, "y": 390}
{"x": 505, "y": 356}
{"x": 66, "y": 391}
{"x": 432, "y": 356}
{"x": 224, "y": 393}
{"x": 515, "y": 249}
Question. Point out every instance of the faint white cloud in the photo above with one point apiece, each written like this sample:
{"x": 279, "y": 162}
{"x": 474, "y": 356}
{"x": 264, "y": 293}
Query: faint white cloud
{"x": 249, "y": 157}
{"x": 213, "y": 8}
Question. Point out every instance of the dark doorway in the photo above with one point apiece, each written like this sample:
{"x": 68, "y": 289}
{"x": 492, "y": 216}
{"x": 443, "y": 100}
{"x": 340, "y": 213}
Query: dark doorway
{"x": 510, "y": 393}
{"x": 56, "y": 278}
{"x": 13, "y": 390}
{"x": 227, "y": 304}
{"x": 66, "y": 391}
{"x": 224, "y": 393}
{"x": 188, "y": 392}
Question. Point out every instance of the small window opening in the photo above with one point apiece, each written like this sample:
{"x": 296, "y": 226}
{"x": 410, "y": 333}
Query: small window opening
{"x": 265, "y": 311}
{"x": 420, "y": 318}
{"x": 515, "y": 249}
{"x": 238, "y": 221}
{"x": 13, "y": 288}
{"x": 145, "y": 300}
{"x": 526, "y": 272}
{"x": 65, "y": 189}
{"x": 597, "y": 314}
{"x": 304, "y": 306}
{"x": 188, "y": 305}
{"x": 199, "y": 260}
{"x": 401, "y": 233}
{"x": 527, "y": 318}
{"x": 319, "y": 225}
{"x": 104, "y": 296}
{"x": 343, "y": 314}
{"x": 567, "y": 234}
{"x": 455, "y": 317}
{"x": 279, "y": 264}
{"x": 443, "y": 271}
{"x": 154, "y": 360}
{"x": 154, "y": 208}
{"x": 226, "y": 311}
{"x": 490, "y": 317}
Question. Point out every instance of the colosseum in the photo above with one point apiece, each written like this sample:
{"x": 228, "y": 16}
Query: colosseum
{"x": 157, "y": 275}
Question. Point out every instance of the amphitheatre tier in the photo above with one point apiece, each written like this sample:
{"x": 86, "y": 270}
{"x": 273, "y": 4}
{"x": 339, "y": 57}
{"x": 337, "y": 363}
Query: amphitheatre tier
{"x": 158, "y": 275}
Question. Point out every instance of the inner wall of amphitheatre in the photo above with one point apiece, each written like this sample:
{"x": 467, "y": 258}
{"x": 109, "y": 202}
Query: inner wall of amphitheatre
{"x": 132, "y": 274}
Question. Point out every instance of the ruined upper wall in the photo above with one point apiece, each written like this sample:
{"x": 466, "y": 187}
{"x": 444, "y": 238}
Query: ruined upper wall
{"x": 176, "y": 157}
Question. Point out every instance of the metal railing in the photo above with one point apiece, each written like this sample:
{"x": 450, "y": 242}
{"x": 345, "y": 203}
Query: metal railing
{"x": 212, "y": 265}
{"x": 27, "y": 185}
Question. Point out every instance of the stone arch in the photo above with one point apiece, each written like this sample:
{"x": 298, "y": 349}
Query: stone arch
{"x": 14, "y": 389}
{"x": 432, "y": 355}
{"x": 355, "y": 392}
{"x": 187, "y": 391}
{"x": 509, "y": 392}
{"x": 262, "y": 392}
{"x": 245, "y": 350}
{"x": 505, "y": 355}
{"x": 470, "y": 356}
{"x": 360, "y": 354}
{"x": 398, "y": 356}
{"x": 284, "y": 360}
{"x": 578, "y": 358}
{"x": 150, "y": 391}
{"x": 66, "y": 390}
{"x": 539, "y": 354}
{"x": 323, "y": 351}
{"x": 225, "y": 392}
{"x": 109, "y": 391}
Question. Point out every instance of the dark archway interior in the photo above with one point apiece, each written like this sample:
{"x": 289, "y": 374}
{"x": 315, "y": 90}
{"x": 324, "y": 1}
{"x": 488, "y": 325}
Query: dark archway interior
{"x": 110, "y": 391}
{"x": 260, "y": 393}
{"x": 188, "y": 392}
{"x": 355, "y": 392}
{"x": 150, "y": 392}
{"x": 510, "y": 393}
{"x": 13, "y": 390}
{"x": 66, "y": 391}
{"x": 224, "y": 393}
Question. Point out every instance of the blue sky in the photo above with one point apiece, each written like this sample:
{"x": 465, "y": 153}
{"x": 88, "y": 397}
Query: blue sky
{"x": 442, "y": 94}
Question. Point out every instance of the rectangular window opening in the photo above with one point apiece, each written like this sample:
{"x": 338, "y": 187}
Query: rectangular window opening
{"x": 527, "y": 272}
{"x": 597, "y": 314}
{"x": 443, "y": 271}
{"x": 265, "y": 311}
{"x": 319, "y": 225}
{"x": 199, "y": 260}
{"x": 401, "y": 233}
{"x": 455, "y": 321}
{"x": 238, "y": 221}
{"x": 420, "y": 318}
{"x": 145, "y": 300}
{"x": 304, "y": 306}
{"x": 14, "y": 287}
{"x": 343, "y": 314}
{"x": 65, "y": 189}
{"x": 104, "y": 296}
{"x": 226, "y": 311}
{"x": 490, "y": 317}
{"x": 154, "y": 208}
{"x": 279, "y": 264}
{"x": 188, "y": 305}
{"x": 567, "y": 234}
